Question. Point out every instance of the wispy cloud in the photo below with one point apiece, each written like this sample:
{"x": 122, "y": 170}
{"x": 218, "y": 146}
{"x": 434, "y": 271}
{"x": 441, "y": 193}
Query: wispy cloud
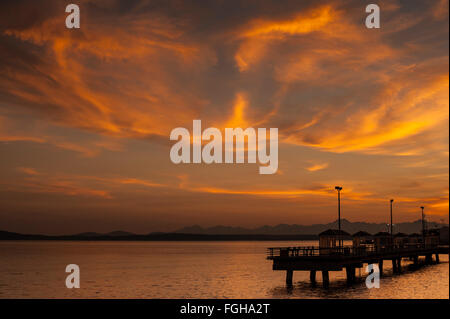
{"x": 28, "y": 170}
{"x": 317, "y": 167}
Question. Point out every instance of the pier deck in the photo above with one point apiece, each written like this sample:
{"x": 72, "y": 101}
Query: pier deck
{"x": 315, "y": 259}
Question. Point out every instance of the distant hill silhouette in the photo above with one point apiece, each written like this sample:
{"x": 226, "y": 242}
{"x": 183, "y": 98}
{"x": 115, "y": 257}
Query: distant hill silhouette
{"x": 285, "y": 229}
{"x": 88, "y": 234}
{"x": 113, "y": 233}
{"x": 278, "y": 232}
{"x": 4, "y": 235}
{"x": 119, "y": 233}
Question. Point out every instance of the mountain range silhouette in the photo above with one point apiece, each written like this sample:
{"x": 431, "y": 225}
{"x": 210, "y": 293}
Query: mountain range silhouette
{"x": 196, "y": 232}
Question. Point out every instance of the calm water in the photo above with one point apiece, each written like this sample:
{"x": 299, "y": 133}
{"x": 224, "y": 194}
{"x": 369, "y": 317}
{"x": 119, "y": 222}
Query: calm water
{"x": 187, "y": 270}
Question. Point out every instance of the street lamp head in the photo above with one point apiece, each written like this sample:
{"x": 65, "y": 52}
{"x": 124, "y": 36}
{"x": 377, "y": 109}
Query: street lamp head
{"x": 338, "y": 188}
{"x": 422, "y": 207}
{"x": 392, "y": 200}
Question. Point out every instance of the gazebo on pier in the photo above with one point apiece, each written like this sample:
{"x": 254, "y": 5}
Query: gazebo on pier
{"x": 362, "y": 238}
{"x": 329, "y": 240}
{"x": 382, "y": 239}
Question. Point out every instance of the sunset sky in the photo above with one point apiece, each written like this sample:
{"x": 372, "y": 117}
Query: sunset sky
{"x": 86, "y": 114}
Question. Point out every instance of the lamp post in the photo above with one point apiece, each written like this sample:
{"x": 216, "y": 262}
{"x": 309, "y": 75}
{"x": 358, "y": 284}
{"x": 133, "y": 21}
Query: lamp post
{"x": 339, "y": 188}
{"x": 423, "y": 226}
{"x": 392, "y": 234}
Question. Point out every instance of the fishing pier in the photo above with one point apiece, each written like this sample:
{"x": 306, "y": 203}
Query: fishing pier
{"x": 331, "y": 255}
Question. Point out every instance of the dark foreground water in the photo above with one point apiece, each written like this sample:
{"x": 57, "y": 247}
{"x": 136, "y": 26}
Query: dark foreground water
{"x": 188, "y": 270}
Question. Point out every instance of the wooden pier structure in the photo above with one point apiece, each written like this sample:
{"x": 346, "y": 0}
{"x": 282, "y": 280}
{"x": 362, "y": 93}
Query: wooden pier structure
{"x": 324, "y": 260}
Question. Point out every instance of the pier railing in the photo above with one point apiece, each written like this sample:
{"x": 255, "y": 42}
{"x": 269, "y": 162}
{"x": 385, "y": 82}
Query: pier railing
{"x": 366, "y": 250}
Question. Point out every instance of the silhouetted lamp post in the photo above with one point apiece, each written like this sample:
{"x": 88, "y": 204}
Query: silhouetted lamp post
{"x": 392, "y": 234}
{"x": 423, "y": 225}
{"x": 339, "y": 188}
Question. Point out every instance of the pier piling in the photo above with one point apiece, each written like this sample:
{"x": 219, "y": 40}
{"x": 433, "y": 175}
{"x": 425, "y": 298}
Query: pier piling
{"x": 350, "y": 270}
{"x": 289, "y": 275}
{"x": 394, "y": 266}
{"x": 437, "y": 258}
{"x": 312, "y": 276}
{"x": 325, "y": 278}
{"x": 380, "y": 267}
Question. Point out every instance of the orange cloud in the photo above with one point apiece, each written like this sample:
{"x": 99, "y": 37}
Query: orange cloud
{"x": 265, "y": 193}
{"x": 404, "y": 109}
{"x": 73, "y": 185}
{"x": 16, "y": 138}
{"x": 260, "y": 33}
{"x": 238, "y": 117}
{"x": 57, "y": 187}
{"x": 28, "y": 170}
{"x": 308, "y": 22}
{"x": 130, "y": 103}
{"x": 136, "y": 181}
{"x": 317, "y": 167}
{"x": 440, "y": 10}
{"x": 282, "y": 192}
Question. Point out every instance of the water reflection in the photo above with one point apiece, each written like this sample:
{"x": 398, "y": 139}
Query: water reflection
{"x": 188, "y": 270}
{"x": 406, "y": 285}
